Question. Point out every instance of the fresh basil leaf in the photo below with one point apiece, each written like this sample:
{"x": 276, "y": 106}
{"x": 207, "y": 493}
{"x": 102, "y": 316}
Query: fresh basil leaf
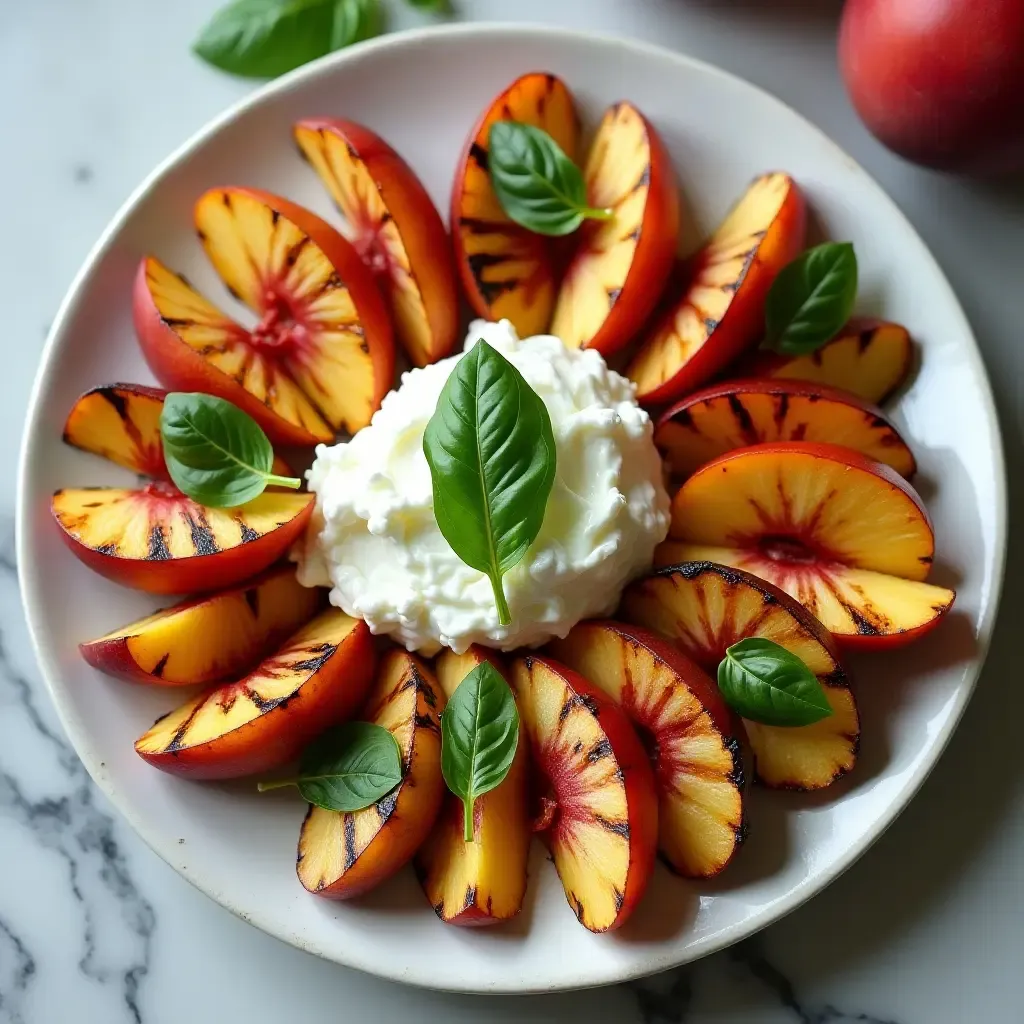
{"x": 347, "y": 768}
{"x": 266, "y": 38}
{"x": 215, "y": 453}
{"x": 436, "y": 6}
{"x": 479, "y": 736}
{"x": 811, "y": 299}
{"x": 491, "y": 453}
{"x": 766, "y": 683}
{"x": 537, "y": 185}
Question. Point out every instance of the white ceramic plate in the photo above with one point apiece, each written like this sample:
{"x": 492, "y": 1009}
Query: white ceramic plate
{"x": 423, "y": 92}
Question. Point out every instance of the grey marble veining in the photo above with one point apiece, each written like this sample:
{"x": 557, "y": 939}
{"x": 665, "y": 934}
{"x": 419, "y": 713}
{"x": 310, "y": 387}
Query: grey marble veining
{"x": 927, "y": 929}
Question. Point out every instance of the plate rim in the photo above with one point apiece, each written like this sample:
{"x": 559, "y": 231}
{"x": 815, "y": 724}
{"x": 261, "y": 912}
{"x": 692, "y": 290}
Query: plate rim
{"x": 324, "y": 66}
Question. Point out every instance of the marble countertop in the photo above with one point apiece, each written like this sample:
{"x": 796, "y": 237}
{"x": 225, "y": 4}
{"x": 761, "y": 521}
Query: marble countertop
{"x": 927, "y": 928}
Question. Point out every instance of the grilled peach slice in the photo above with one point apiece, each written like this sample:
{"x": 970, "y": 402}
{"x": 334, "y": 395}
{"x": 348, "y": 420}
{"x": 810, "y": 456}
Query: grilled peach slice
{"x": 620, "y": 266}
{"x": 720, "y": 310}
{"x": 395, "y": 227}
{"x": 482, "y": 882}
{"x": 206, "y": 639}
{"x": 318, "y": 678}
{"x": 321, "y": 357}
{"x": 345, "y": 854}
{"x": 871, "y": 358}
{"x": 121, "y": 422}
{"x": 507, "y": 271}
{"x": 844, "y": 535}
{"x": 687, "y": 731}
{"x": 595, "y": 771}
{"x": 156, "y": 539}
{"x": 705, "y": 608}
{"x": 738, "y": 413}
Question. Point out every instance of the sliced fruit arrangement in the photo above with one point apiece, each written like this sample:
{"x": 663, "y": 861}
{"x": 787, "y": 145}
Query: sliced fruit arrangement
{"x": 871, "y": 358}
{"x": 620, "y": 265}
{"x": 687, "y": 731}
{"x": 719, "y": 309}
{"x": 395, "y": 227}
{"x": 206, "y": 639}
{"x": 507, "y": 271}
{"x": 318, "y": 678}
{"x": 321, "y": 358}
{"x": 706, "y": 608}
{"x": 482, "y": 882}
{"x": 595, "y": 776}
{"x": 843, "y": 534}
{"x": 158, "y": 540}
{"x": 344, "y": 854}
{"x": 739, "y": 413}
{"x": 121, "y": 422}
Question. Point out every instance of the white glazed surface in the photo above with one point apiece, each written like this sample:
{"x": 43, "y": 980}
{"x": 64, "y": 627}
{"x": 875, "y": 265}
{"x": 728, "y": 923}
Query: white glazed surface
{"x": 423, "y": 93}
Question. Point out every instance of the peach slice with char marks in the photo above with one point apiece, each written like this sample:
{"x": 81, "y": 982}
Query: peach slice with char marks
{"x": 206, "y": 639}
{"x": 395, "y": 227}
{"x": 344, "y": 854}
{"x": 620, "y": 266}
{"x": 321, "y": 357}
{"x": 482, "y": 882}
{"x": 807, "y": 513}
{"x": 705, "y": 608}
{"x": 687, "y": 730}
{"x": 121, "y": 422}
{"x": 719, "y": 311}
{"x": 507, "y": 271}
{"x": 860, "y": 608}
{"x": 871, "y": 358}
{"x": 318, "y": 678}
{"x": 593, "y": 767}
{"x": 157, "y": 539}
{"x": 739, "y": 413}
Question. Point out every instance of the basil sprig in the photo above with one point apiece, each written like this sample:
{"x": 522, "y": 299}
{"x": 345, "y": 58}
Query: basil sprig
{"x": 479, "y": 736}
{"x": 491, "y": 453}
{"x": 811, "y": 299}
{"x": 537, "y": 185}
{"x": 768, "y": 684}
{"x": 215, "y": 453}
{"x": 347, "y": 768}
{"x": 265, "y": 38}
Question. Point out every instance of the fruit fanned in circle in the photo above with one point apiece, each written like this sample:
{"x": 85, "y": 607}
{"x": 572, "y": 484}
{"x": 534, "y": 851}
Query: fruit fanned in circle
{"x": 705, "y": 608}
{"x": 206, "y": 639}
{"x": 158, "y": 540}
{"x": 394, "y": 226}
{"x": 687, "y": 731}
{"x": 317, "y": 679}
{"x": 871, "y": 358}
{"x": 121, "y": 422}
{"x": 344, "y": 854}
{"x": 321, "y": 357}
{"x": 739, "y": 413}
{"x": 507, "y": 271}
{"x": 482, "y": 882}
{"x": 604, "y": 830}
{"x": 620, "y": 266}
{"x": 808, "y": 514}
{"x": 720, "y": 311}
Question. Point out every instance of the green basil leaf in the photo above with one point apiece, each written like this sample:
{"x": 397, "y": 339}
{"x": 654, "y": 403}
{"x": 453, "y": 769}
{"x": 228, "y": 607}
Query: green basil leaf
{"x": 811, "y": 299}
{"x": 491, "y": 453}
{"x": 436, "y": 6}
{"x": 479, "y": 736}
{"x": 266, "y": 38}
{"x": 766, "y": 683}
{"x": 347, "y": 768}
{"x": 215, "y": 453}
{"x": 537, "y": 185}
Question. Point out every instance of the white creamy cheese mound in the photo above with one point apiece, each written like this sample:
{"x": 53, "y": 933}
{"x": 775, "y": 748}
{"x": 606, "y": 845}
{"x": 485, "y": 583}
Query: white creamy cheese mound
{"x": 375, "y": 542}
